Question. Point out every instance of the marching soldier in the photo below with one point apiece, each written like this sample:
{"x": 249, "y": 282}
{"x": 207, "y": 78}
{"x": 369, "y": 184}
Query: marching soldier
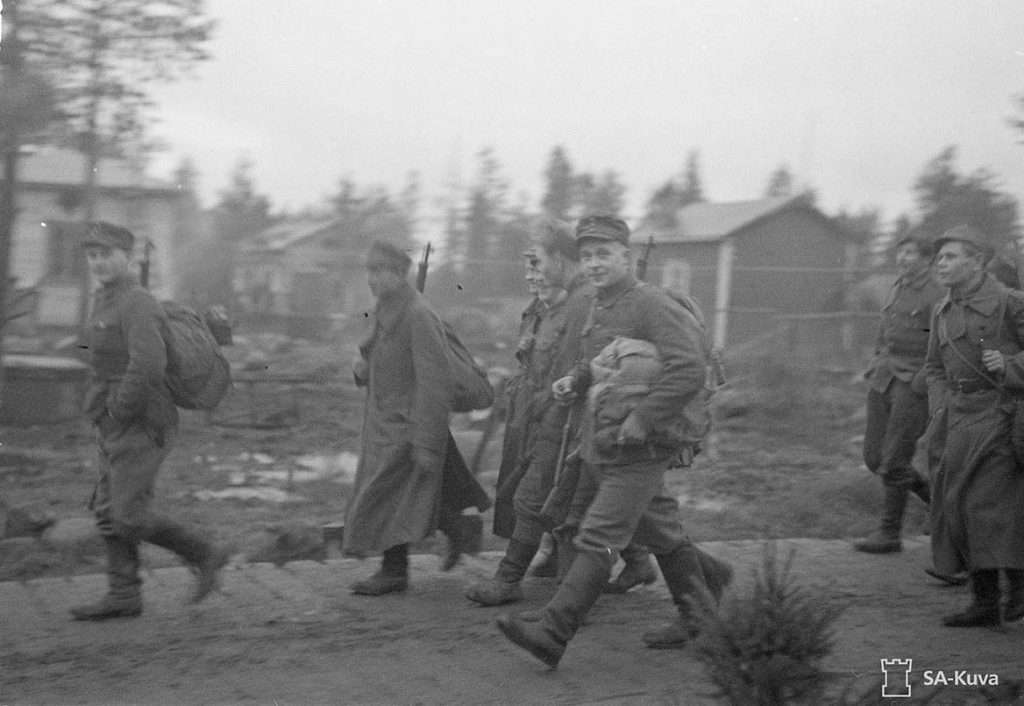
{"x": 897, "y": 405}
{"x": 975, "y": 367}
{"x": 136, "y": 423}
{"x": 628, "y": 467}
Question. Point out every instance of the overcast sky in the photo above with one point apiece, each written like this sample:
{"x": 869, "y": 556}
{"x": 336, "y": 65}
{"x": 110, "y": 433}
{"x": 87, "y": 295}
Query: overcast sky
{"x": 855, "y": 96}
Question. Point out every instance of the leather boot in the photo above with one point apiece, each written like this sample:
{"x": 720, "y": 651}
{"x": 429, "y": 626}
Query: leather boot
{"x": 959, "y": 579}
{"x": 565, "y": 549}
{"x": 504, "y": 587}
{"x": 717, "y": 574}
{"x": 685, "y": 578}
{"x": 638, "y": 571}
{"x": 465, "y": 536}
{"x": 984, "y": 610}
{"x": 124, "y": 598}
{"x": 205, "y": 559}
{"x": 392, "y": 577}
{"x": 563, "y": 615}
{"x": 887, "y": 539}
{"x": 1015, "y": 596}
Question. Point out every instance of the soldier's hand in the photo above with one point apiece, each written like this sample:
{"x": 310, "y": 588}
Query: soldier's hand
{"x": 994, "y": 361}
{"x": 632, "y": 432}
{"x": 564, "y": 390}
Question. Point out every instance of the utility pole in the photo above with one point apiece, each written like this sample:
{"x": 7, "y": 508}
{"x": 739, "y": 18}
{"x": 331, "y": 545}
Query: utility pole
{"x": 11, "y": 74}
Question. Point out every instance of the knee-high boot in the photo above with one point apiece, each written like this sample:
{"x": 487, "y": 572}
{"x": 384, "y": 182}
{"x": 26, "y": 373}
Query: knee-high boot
{"x": 685, "y": 578}
{"x": 887, "y": 539}
{"x": 205, "y": 559}
{"x": 561, "y": 618}
{"x": 638, "y": 571}
{"x": 392, "y": 577}
{"x": 984, "y": 610}
{"x": 504, "y": 586}
{"x": 124, "y": 597}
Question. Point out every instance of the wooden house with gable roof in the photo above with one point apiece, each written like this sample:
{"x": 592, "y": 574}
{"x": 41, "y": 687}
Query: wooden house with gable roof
{"x": 749, "y": 263}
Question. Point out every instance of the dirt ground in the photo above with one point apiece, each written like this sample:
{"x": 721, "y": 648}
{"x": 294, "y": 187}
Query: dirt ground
{"x": 274, "y": 462}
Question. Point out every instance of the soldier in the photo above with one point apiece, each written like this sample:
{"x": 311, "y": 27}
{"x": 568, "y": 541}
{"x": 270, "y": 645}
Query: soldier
{"x": 897, "y": 405}
{"x": 974, "y": 366}
{"x": 411, "y": 478}
{"x": 630, "y": 497}
{"x": 554, "y": 257}
{"x": 136, "y": 423}
{"x": 513, "y": 446}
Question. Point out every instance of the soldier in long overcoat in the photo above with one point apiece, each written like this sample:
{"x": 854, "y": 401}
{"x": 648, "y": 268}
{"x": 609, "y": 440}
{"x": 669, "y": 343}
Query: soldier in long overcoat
{"x": 975, "y": 366}
{"x": 396, "y": 498}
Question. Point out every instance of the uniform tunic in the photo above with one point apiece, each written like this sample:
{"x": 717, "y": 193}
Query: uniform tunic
{"x": 407, "y": 406}
{"x": 129, "y": 403}
{"x": 897, "y": 405}
{"x": 630, "y": 497}
{"x": 546, "y": 419}
{"x": 977, "y": 522}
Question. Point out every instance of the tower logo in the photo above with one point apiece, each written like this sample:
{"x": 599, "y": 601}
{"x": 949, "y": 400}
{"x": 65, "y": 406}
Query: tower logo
{"x": 897, "y": 678}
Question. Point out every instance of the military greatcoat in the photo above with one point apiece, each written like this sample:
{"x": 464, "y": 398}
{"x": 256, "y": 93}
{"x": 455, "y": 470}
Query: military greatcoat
{"x": 977, "y": 522}
{"x": 407, "y": 404}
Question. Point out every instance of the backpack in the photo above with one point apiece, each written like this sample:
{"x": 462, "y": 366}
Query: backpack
{"x": 623, "y": 373}
{"x": 198, "y": 375}
{"x": 470, "y": 387}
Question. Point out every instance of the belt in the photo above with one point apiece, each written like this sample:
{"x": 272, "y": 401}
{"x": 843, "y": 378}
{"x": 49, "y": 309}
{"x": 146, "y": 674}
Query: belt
{"x": 971, "y": 385}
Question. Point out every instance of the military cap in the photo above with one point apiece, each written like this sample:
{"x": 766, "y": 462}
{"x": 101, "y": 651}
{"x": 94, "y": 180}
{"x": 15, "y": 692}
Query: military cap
{"x": 965, "y": 234}
{"x": 108, "y": 235}
{"x": 387, "y": 256}
{"x": 602, "y": 228}
{"x": 924, "y": 244}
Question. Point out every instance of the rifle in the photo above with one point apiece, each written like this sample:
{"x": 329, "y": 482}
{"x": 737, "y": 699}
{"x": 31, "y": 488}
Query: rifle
{"x": 421, "y": 272}
{"x": 641, "y": 264}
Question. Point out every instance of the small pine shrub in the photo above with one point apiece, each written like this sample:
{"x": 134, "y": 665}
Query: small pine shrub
{"x": 766, "y": 648}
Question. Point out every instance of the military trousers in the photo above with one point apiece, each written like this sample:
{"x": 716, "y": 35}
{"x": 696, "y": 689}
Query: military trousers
{"x": 627, "y": 503}
{"x": 896, "y": 419}
{"x": 533, "y": 491}
{"x": 128, "y": 462}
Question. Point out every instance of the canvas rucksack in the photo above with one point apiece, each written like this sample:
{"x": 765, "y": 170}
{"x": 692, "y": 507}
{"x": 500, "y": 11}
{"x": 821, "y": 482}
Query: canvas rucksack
{"x": 470, "y": 387}
{"x": 198, "y": 374}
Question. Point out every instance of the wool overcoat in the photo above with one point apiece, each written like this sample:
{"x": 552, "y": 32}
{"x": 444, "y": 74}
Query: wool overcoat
{"x": 407, "y": 404}
{"x": 978, "y": 494}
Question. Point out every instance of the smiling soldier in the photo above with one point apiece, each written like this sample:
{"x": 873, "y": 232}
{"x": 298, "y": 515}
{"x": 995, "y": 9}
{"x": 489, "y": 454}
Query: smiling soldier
{"x": 136, "y": 422}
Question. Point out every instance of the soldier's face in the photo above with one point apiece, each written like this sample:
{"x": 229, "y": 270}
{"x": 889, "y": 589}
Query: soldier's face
{"x": 107, "y": 264}
{"x": 533, "y": 278}
{"x": 954, "y": 266}
{"x": 549, "y": 265}
{"x": 909, "y": 259}
{"x": 605, "y": 262}
{"x": 382, "y": 280}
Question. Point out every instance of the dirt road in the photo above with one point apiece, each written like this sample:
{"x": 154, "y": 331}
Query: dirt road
{"x": 294, "y": 635}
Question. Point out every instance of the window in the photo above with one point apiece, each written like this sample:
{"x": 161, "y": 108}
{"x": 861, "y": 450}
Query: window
{"x": 65, "y": 256}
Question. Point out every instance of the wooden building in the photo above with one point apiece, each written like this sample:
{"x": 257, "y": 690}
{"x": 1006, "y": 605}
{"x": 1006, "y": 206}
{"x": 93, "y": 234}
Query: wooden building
{"x": 46, "y": 254}
{"x": 751, "y": 263}
{"x": 302, "y": 276}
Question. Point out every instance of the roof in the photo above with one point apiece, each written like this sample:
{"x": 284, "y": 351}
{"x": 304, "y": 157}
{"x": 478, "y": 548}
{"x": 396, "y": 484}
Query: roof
{"x": 702, "y": 222}
{"x": 288, "y": 233}
{"x": 63, "y": 167}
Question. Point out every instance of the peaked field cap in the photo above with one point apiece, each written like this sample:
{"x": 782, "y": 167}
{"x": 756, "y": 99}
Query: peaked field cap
{"x": 108, "y": 235}
{"x": 600, "y": 227}
{"x": 965, "y": 234}
{"x": 388, "y": 256}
